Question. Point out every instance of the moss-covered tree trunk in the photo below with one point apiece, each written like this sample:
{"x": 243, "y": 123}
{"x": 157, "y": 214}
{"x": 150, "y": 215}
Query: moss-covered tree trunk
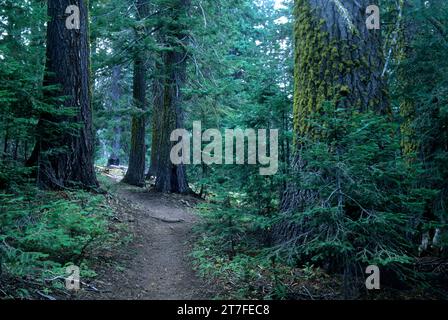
{"x": 65, "y": 138}
{"x": 424, "y": 129}
{"x": 136, "y": 171}
{"x": 170, "y": 177}
{"x": 337, "y": 59}
{"x": 409, "y": 140}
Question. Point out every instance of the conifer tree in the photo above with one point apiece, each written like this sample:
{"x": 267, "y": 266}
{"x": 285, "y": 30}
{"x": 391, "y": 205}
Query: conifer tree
{"x": 136, "y": 171}
{"x": 337, "y": 59}
{"x": 65, "y": 138}
{"x": 170, "y": 177}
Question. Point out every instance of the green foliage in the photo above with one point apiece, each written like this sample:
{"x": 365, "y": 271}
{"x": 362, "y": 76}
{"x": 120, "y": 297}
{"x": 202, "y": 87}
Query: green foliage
{"x": 227, "y": 222}
{"x": 229, "y": 249}
{"x": 231, "y": 252}
{"x": 420, "y": 88}
{"x": 364, "y": 201}
{"x": 372, "y": 186}
{"x": 41, "y": 233}
{"x": 12, "y": 176}
{"x": 360, "y": 209}
{"x": 22, "y": 33}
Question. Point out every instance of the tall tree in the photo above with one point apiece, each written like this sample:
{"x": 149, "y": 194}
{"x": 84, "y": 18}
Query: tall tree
{"x": 65, "y": 140}
{"x": 157, "y": 90}
{"x": 421, "y": 87}
{"x": 340, "y": 209}
{"x": 115, "y": 95}
{"x": 136, "y": 171}
{"x": 337, "y": 59}
{"x": 170, "y": 177}
{"x": 22, "y": 51}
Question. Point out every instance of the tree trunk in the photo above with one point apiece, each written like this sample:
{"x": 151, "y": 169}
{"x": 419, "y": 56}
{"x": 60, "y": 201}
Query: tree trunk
{"x": 336, "y": 59}
{"x": 172, "y": 178}
{"x": 115, "y": 95}
{"x": 34, "y": 157}
{"x": 408, "y": 32}
{"x": 65, "y": 138}
{"x": 156, "y": 121}
{"x": 16, "y": 149}
{"x": 136, "y": 171}
{"x": 25, "y": 151}
{"x": 424, "y": 134}
{"x": 5, "y": 143}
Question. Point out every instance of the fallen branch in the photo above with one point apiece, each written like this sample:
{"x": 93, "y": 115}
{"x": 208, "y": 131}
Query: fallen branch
{"x": 46, "y": 296}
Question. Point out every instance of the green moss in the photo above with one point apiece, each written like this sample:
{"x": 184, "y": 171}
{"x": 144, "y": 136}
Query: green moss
{"x": 318, "y": 62}
{"x": 344, "y": 90}
{"x": 323, "y": 67}
{"x": 408, "y": 142}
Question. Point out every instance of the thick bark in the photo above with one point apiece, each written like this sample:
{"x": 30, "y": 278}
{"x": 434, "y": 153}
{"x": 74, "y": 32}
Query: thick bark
{"x": 170, "y": 177}
{"x": 136, "y": 171}
{"x": 409, "y": 142}
{"x": 156, "y": 122}
{"x": 336, "y": 59}
{"x": 65, "y": 141}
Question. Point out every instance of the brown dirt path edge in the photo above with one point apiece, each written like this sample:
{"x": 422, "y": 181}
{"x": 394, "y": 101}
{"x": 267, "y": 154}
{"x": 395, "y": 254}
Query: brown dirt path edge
{"x": 156, "y": 264}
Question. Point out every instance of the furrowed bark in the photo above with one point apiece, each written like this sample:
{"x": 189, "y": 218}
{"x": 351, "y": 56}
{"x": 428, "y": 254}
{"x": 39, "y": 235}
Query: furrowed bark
{"x": 172, "y": 178}
{"x": 65, "y": 137}
{"x": 156, "y": 122}
{"x": 337, "y": 59}
{"x": 136, "y": 171}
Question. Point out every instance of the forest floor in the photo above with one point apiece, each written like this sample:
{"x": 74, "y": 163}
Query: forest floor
{"x": 155, "y": 265}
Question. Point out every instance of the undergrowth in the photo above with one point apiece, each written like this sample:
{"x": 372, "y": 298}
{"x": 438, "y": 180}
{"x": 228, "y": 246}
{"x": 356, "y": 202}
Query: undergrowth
{"x": 41, "y": 233}
{"x": 230, "y": 254}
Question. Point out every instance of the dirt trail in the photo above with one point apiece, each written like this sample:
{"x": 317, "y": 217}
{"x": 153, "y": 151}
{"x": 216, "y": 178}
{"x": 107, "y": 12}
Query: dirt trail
{"x": 156, "y": 265}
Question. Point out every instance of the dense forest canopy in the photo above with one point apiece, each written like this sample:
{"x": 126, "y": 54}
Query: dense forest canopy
{"x": 346, "y": 102}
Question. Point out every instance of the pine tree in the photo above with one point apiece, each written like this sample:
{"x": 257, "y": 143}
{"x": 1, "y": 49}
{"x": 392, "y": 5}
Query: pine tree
{"x": 158, "y": 102}
{"x": 337, "y": 79}
{"x": 115, "y": 95}
{"x": 136, "y": 171}
{"x": 170, "y": 177}
{"x": 336, "y": 59}
{"x": 22, "y": 55}
{"x": 420, "y": 83}
{"x": 65, "y": 139}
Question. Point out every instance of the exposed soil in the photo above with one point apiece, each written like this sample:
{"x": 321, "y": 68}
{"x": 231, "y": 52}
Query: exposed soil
{"x": 156, "y": 264}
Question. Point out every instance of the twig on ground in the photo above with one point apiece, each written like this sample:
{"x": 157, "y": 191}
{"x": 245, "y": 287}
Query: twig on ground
{"x": 46, "y": 296}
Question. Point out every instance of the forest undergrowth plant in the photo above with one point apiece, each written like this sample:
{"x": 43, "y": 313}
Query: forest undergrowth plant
{"x": 232, "y": 252}
{"x": 360, "y": 207}
{"x": 41, "y": 233}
